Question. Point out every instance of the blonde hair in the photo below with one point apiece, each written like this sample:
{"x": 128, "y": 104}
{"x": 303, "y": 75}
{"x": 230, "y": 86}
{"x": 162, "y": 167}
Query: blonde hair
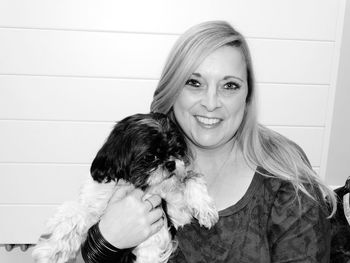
{"x": 259, "y": 145}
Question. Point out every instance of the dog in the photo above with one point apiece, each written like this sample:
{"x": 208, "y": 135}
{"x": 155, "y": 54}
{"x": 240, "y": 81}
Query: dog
{"x": 149, "y": 152}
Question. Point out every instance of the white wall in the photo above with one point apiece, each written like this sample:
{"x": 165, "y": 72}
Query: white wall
{"x": 69, "y": 69}
{"x": 339, "y": 146}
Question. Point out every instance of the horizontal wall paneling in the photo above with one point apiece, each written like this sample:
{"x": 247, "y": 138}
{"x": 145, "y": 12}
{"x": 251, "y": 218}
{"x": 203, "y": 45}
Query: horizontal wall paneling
{"x": 41, "y": 183}
{"x": 253, "y": 17}
{"x": 27, "y": 222}
{"x": 101, "y": 99}
{"x": 100, "y": 54}
{"x": 80, "y": 99}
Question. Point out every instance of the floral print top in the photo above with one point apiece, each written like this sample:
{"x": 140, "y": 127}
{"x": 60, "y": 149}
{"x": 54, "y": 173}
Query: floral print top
{"x": 267, "y": 225}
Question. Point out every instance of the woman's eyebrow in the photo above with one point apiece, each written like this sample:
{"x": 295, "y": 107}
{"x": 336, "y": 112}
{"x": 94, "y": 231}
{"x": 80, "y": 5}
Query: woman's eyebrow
{"x": 197, "y": 74}
{"x": 230, "y": 77}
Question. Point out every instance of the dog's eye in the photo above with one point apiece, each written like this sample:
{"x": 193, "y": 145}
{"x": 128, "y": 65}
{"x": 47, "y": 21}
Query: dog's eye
{"x": 149, "y": 158}
{"x": 170, "y": 166}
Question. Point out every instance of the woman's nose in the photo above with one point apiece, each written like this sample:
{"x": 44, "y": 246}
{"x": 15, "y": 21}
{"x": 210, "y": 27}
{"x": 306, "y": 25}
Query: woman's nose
{"x": 210, "y": 99}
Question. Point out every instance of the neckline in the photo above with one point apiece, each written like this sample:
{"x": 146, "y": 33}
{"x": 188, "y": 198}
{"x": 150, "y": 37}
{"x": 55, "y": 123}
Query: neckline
{"x": 255, "y": 183}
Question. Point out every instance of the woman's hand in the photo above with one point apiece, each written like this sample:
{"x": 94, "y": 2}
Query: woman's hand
{"x": 130, "y": 218}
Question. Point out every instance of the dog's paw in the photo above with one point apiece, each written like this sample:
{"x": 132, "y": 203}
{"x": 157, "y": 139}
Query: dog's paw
{"x": 208, "y": 217}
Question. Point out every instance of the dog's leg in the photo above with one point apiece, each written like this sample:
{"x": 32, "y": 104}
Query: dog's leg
{"x": 198, "y": 200}
{"x": 67, "y": 229}
{"x": 172, "y": 191}
{"x": 64, "y": 234}
{"x": 177, "y": 209}
{"x": 157, "y": 248}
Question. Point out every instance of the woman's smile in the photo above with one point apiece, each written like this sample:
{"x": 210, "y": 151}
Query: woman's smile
{"x": 207, "y": 122}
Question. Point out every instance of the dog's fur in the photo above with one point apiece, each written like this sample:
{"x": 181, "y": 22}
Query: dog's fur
{"x": 149, "y": 152}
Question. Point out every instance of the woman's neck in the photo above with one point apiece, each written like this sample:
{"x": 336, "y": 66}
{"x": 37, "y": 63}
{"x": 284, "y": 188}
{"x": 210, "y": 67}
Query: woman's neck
{"x": 210, "y": 161}
{"x": 226, "y": 173}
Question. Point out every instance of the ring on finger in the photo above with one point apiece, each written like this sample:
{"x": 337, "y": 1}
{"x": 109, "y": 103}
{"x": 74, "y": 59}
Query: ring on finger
{"x": 149, "y": 201}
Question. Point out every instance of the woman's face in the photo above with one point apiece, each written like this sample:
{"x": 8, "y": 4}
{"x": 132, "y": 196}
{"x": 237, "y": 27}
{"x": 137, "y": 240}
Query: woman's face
{"x": 210, "y": 107}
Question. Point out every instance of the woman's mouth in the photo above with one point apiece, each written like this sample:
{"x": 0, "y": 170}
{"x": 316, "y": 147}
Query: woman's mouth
{"x": 208, "y": 122}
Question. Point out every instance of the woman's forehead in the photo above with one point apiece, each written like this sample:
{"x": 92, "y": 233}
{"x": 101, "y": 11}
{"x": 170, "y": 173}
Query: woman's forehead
{"x": 224, "y": 62}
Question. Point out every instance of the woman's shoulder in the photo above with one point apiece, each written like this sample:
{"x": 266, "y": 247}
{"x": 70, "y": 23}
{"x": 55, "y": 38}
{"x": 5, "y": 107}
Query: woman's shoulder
{"x": 272, "y": 184}
{"x": 283, "y": 193}
{"x": 269, "y": 192}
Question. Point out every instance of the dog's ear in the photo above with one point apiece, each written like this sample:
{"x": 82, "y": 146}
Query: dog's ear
{"x": 99, "y": 168}
{"x": 174, "y": 137}
{"x": 108, "y": 162}
{"x": 177, "y": 146}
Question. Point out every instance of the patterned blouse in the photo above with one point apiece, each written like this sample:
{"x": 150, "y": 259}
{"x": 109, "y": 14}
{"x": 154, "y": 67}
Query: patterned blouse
{"x": 266, "y": 225}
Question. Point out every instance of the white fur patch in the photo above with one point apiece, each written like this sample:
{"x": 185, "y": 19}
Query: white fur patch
{"x": 186, "y": 196}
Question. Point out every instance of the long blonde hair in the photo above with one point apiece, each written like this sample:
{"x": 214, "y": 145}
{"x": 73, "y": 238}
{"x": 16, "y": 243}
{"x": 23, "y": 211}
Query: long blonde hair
{"x": 259, "y": 145}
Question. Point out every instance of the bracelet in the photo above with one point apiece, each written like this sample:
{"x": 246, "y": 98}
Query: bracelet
{"x": 97, "y": 249}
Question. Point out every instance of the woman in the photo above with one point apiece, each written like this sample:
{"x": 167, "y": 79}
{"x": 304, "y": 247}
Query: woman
{"x": 271, "y": 204}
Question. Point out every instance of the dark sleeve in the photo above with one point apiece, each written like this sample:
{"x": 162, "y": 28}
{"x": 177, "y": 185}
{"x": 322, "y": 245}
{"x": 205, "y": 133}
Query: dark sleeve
{"x": 177, "y": 257}
{"x": 96, "y": 249}
{"x": 298, "y": 232}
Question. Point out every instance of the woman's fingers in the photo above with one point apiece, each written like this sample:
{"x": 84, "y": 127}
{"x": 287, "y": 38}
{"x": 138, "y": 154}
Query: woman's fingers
{"x": 152, "y": 202}
{"x": 129, "y": 219}
{"x": 156, "y": 226}
{"x": 137, "y": 198}
{"x": 155, "y": 215}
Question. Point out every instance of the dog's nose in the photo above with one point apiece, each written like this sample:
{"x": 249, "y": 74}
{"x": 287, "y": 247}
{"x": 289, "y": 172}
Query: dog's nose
{"x": 170, "y": 166}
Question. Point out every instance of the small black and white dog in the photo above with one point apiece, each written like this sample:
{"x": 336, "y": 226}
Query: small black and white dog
{"x": 149, "y": 152}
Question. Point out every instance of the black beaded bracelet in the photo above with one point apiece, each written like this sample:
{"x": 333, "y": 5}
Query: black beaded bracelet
{"x": 97, "y": 249}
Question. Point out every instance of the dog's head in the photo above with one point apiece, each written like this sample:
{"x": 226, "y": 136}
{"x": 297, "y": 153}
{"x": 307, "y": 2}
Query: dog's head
{"x": 138, "y": 146}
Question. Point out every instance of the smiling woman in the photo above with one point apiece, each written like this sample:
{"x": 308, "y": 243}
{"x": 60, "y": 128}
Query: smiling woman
{"x": 272, "y": 205}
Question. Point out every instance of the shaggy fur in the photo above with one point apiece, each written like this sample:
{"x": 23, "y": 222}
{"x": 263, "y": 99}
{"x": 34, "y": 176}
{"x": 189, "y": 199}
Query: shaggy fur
{"x": 146, "y": 151}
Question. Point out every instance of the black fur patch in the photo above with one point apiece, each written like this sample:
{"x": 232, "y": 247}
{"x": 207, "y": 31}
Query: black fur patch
{"x": 136, "y": 146}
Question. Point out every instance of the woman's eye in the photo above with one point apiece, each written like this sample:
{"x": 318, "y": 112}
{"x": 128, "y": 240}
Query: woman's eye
{"x": 231, "y": 86}
{"x": 193, "y": 83}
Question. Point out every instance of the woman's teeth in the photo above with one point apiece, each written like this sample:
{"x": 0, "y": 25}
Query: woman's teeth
{"x": 207, "y": 121}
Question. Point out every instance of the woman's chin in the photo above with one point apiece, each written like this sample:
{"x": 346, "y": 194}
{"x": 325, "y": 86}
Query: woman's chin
{"x": 207, "y": 143}
{"x": 210, "y": 141}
